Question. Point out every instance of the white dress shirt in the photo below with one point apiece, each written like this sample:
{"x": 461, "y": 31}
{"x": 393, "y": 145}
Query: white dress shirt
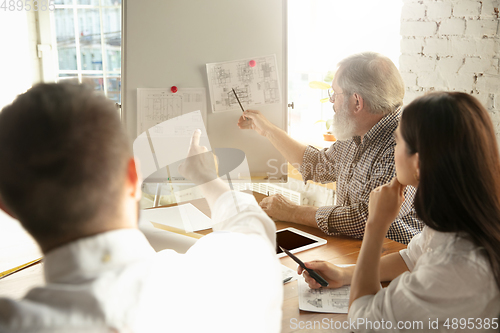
{"x": 449, "y": 278}
{"x": 229, "y": 281}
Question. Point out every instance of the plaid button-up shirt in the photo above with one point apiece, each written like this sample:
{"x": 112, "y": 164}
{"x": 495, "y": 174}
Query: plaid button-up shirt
{"x": 358, "y": 167}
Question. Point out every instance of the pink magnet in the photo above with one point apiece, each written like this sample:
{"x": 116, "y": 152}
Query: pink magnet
{"x": 173, "y": 89}
{"x": 252, "y": 63}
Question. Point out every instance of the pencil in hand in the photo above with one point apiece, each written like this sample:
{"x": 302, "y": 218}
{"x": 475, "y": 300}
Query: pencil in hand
{"x": 241, "y": 106}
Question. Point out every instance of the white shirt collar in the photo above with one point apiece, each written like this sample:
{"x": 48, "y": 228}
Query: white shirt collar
{"x": 87, "y": 257}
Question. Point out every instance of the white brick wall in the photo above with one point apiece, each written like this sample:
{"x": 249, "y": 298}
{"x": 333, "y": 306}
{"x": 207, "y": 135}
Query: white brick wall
{"x": 413, "y": 11}
{"x": 488, "y": 84}
{"x": 467, "y": 8}
{"x": 438, "y": 10}
{"x": 452, "y": 45}
{"x": 452, "y": 26}
{"x": 418, "y": 28}
{"x": 482, "y": 28}
{"x": 437, "y": 46}
{"x": 412, "y": 45}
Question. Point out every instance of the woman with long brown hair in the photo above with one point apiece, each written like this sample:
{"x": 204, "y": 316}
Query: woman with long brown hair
{"x": 448, "y": 278}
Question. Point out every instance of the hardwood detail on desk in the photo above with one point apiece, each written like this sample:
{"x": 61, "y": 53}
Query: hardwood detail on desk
{"x": 18, "y": 248}
{"x": 18, "y": 284}
{"x": 338, "y": 249}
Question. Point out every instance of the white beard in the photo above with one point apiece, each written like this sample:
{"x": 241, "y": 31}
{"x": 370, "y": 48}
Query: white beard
{"x": 343, "y": 126}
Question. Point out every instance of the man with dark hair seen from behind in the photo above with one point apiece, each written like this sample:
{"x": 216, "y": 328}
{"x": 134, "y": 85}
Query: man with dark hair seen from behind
{"x": 68, "y": 174}
{"x": 367, "y": 92}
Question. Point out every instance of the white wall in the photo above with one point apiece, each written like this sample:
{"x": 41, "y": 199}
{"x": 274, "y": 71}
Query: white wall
{"x": 452, "y": 45}
{"x": 168, "y": 43}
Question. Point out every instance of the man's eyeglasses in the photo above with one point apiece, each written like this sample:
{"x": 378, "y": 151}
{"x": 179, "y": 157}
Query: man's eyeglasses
{"x": 332, "y": 95}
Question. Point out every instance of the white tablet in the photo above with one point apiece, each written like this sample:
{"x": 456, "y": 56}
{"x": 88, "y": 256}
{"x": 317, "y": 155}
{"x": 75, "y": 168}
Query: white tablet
{"x": 295, "y": 240}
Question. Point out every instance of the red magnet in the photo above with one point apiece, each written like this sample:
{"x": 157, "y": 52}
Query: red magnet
{"x": 173, "y": 89}
{"x": 252, "y": 63}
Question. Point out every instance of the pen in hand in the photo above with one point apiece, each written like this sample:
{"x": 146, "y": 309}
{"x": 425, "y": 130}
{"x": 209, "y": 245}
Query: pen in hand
{"x": 241, "y": 106}
{"x": 311, "y": 272}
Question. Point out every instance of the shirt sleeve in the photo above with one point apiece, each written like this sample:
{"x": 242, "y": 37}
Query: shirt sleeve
{"x": 441, "y": 287}
{"x": 414, "y": 250}
{"x": 240, "y": 212}
{"x": 407, "y": 224}
{"x": 351, "y": 219}
{"x": 240, "y": 252}
{"x": 319, "y": 165}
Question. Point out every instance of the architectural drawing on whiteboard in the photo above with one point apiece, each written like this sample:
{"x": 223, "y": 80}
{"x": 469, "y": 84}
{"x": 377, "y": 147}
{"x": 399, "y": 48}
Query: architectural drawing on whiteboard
{"x": 228, "y": 99}
{"x": 222, "y": 75}
{"x": 255, "y": 85}
{"x": 271, "y": 91}
{"x": 160, "y": 106}
{"x": 245, "y": 72}
{"x": 156, "y": 105}
{"x": 265, "y": 70}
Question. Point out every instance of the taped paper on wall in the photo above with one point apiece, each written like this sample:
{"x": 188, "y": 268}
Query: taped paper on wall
{"x": 155, "y": 105}
{"x": 255, "y": 85}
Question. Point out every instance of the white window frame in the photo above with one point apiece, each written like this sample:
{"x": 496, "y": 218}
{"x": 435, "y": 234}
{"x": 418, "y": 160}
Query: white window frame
{"x": 47, "y": 49}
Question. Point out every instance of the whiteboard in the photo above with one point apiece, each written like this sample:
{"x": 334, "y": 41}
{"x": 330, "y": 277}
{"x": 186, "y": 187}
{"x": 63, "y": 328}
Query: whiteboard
{"x": 169, "y": 43}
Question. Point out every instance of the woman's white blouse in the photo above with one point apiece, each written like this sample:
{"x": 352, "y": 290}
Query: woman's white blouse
{"x": 449, "y": 286}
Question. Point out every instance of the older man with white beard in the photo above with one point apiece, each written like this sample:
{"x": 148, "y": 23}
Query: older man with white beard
{"x": 367, "y": 96}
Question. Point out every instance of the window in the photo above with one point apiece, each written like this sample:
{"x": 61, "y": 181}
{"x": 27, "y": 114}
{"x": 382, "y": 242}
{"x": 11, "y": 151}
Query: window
{"x": 17, "y": 72}
{"x": 87, "y": 39}
{"x": 320, "y": 34}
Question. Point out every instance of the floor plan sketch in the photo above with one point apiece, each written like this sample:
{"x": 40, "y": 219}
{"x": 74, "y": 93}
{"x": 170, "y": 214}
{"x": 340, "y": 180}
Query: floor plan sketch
{"x": 243, "y": 94}
{"x": 222, "y": 75}
{"x": 155, "y": 105}
{"x": 317, "y": 302}
{"x": 245, "y": 73}
{"x": 323, "y": 300}
{"x": 255, "y": 80}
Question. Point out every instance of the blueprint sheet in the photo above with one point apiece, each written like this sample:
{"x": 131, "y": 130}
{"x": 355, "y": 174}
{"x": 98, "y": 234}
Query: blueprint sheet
{"x": 323, "y": 300}
{"x": 155, "y": 105}
{"x": 257, "y": 85}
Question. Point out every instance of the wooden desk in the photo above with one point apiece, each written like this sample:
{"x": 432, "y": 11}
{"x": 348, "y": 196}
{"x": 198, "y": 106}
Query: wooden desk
{"x": 339, "y": 250}
{"x": 17, "y": 247}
